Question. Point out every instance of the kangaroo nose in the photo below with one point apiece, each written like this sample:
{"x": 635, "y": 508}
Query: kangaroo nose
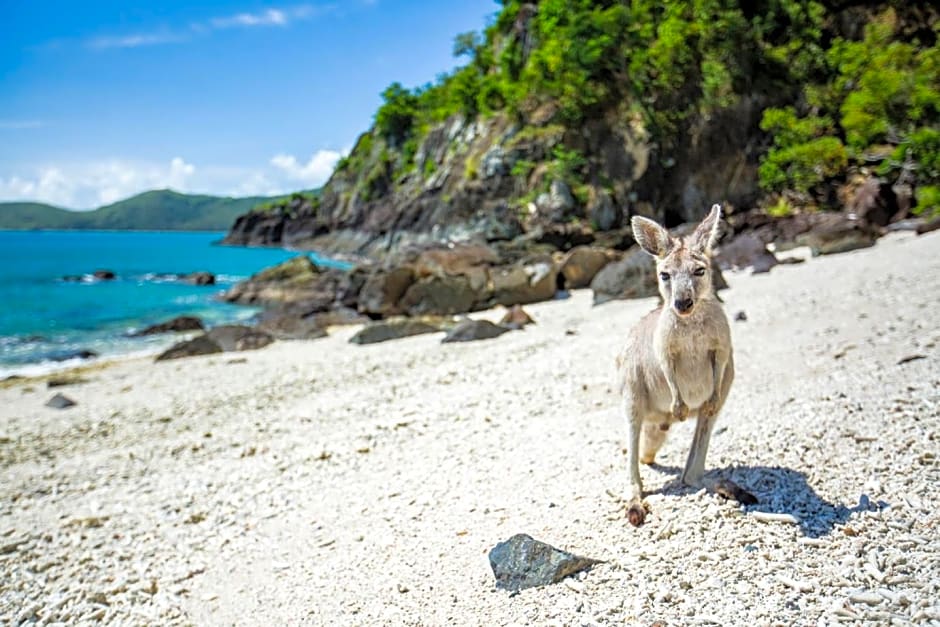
{"x": 682, "y": 306}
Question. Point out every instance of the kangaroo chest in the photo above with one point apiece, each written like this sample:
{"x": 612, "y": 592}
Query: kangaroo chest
{"x": 690, "y": 351}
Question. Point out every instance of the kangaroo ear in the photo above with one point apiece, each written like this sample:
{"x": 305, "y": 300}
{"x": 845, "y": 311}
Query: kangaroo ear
{"x": 651, "y": 237}
{"x": 706, "y": 233}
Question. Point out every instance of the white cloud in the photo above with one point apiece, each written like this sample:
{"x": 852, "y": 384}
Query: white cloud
{"x": 313, "y": 173}
{"x": 267, "y": 17}
{"x": 87, "y": 185}
{"x": 98, "y": 183}
{"x": 135, "y": 40}
{"x": 270, "y": 17}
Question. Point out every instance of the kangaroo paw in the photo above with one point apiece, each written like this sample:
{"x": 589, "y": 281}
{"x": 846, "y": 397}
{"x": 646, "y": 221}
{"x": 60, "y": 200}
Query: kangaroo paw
{"x": 680, "y": 411}
{"x": 709, "y": 408}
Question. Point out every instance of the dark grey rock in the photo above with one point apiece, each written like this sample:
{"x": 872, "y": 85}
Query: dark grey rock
{"x": 910, "y": 224}
{"x": 82, "y": 353}
{"x": 201, "y": 345}
{"x": 383, "y": 289}
{"x": 289, "y": 326}
{"x": 60, "y": 401}
{"x": 392, "y": 330}
{"x": 470, "y": 330}
{"x": 837, "y": 238}
{"x": 104, "y": 275}
{"x": 63, "y": 380}
{"x": 237, "y": 337}
{"x": 176, "y": 325}
{"x": 198, "y": 278}
{"x": 603, "y": 213}
{"x": 523, "y": 562}
{"x": 746, "y": 251}
{"x": 928, "y": 227}
{"x": 440, "y": 295}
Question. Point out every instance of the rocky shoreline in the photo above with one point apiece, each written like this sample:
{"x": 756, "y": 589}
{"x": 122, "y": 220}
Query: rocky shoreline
{"x": 437, "y": 281}
{"x": 320, "y": 482}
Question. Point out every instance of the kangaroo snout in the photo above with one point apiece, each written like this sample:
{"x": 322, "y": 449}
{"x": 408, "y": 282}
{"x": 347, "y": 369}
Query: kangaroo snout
{"x": 683, "y": 305}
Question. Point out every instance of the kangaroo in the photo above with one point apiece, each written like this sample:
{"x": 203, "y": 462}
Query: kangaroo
{"x": 678, "y": 359}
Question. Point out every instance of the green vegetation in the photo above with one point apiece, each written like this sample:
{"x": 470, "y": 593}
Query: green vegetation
{"x": 878, "y": 96}
{"x": 282, "y": 203}
{"x": 661, "y": 68}
{"x": 155, "y": 210}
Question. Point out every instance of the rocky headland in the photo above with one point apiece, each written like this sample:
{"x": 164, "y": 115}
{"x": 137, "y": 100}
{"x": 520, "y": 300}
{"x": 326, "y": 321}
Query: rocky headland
{"x": 501, "y": 184}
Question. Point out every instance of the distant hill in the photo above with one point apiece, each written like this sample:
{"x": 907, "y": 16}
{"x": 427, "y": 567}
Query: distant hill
{"x": 155, "y": 210}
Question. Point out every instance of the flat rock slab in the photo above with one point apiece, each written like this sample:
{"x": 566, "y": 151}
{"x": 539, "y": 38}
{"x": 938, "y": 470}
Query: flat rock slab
{"x": 201, "y": 345}
{"x": 470, "y": 330}
{"x": 523, "y": 562}
{"x": 391, "y": 330}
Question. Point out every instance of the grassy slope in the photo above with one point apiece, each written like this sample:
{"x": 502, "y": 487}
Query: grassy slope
{"x": 157, "y": 210}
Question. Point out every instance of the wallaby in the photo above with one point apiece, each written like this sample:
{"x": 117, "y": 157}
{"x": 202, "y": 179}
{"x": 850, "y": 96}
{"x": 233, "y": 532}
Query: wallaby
{"x": 678, "y": 359}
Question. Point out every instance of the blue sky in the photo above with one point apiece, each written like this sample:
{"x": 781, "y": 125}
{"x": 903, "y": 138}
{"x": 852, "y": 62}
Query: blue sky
{"x": 102, "y": 100}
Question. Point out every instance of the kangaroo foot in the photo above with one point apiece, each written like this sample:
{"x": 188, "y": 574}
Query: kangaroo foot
{"x": 636, "y": 512}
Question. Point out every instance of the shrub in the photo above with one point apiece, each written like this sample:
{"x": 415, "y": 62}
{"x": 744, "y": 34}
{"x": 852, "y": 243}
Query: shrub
{"x": 928, "y": 201}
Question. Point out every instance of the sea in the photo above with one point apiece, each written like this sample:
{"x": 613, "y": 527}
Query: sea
{"x": 52, "y": 309}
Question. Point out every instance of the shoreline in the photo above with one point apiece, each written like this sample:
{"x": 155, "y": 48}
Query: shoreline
{"x": 316, "y": 481}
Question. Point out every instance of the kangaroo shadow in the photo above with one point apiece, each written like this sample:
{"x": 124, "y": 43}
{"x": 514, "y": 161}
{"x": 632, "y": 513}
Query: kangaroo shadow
{"x": 778, "y": 490}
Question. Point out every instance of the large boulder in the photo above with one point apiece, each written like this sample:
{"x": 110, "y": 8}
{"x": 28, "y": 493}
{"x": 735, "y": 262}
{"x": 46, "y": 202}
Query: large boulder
{"x": 296, "y": 281}
{"x": 454, "y": 259}
{"x": 439, "y": 295}
{"x": 527, "y": 282}
{"x": 634, "y": 276}
{"x": 837, "y": 234}
{"x": 582, "y": 263}
{"x": 178, "y": 324}
{"x": 383, "y": 289}
{"x": 198, "y": 278}
{"x": 286, "y": 325}
{"x": 237, "y": 337}
{"x": 746, "y": 251}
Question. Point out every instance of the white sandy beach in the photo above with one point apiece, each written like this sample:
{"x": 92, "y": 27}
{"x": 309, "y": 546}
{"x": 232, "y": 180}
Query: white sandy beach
{"x": 325, "y": 483}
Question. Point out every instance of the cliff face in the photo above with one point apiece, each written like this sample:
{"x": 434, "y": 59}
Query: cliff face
{"x": 467, "y": 184}
{"x": 571, "y": 117}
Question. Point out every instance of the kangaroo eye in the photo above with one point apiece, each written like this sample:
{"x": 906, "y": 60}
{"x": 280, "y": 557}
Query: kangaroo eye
{"x": 699, "y": 272}
{"x": 664, "y": 276}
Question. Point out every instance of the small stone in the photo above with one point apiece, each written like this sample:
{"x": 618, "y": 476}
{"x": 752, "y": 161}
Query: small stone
{"x": 516, "y": 318}
{"x": 60, "y": 401}
{"x": 523, "y": 562}
{"x": 740, "y": 316}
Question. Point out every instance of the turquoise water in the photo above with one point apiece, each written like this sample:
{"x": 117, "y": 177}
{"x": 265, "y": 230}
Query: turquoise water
{"x": 45, "y": 320}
